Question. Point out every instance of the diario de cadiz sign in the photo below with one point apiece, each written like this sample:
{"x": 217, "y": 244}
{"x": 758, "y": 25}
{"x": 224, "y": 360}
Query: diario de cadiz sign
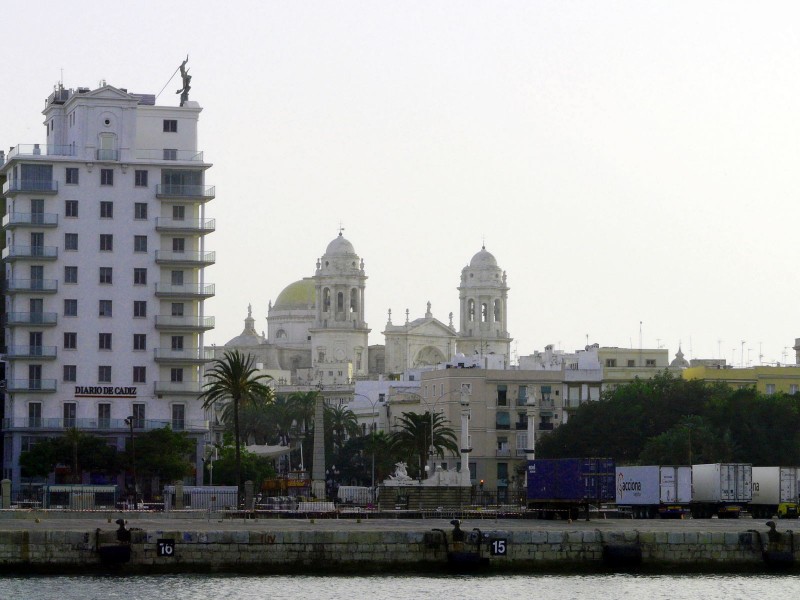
{"x": 85, "y": 391}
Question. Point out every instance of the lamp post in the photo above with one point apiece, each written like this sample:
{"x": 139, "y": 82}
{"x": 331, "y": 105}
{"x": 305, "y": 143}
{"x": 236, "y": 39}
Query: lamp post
{"x": 129, "y": 421}
{"x": 373, "y": 430}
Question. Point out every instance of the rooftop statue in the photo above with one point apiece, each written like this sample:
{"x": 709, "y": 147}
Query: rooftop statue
{"x": 184, "y": 91}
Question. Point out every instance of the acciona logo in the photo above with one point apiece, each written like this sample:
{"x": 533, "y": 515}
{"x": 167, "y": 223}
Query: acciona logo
{"x": 627, "y": 486}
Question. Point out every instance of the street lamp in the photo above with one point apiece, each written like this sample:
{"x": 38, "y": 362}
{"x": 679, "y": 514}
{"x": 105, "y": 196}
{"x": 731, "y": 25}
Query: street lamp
{"x": 373, "y": 430}
{"x": 129, "y": 421}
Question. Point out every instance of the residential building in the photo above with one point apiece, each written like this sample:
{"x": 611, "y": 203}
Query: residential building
{"x": 105, "y": 260}
{"x": 767, "y": 379}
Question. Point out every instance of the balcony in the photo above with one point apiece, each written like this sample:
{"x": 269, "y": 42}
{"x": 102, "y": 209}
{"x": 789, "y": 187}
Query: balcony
{"x": 35, "y": 319}
{"x": 546, "y": 426}
{"x": 31, "y": 385}
{"x": 184, "y": 355}
{"x": 520, "y": 425}
{"x": 117, "y": 425}
{"x": 174, "y": 191}
{"x": 192, "y": 259}
{"x": 38, "y": 220}
{"x": 198, "y": 226}
{"x": 105, "y": 154}
{"x": 189, "y": 290}
{"x": 172, "y": 155}
{"x": 38, "y": 286}
{"x": 501, "y": 452}
{"x": 191, "y": 322}
{"x": 184, "y": 388}
{"x": 36, "y": 352}
{"x": 29, "y": 185}
{"x": 32, "y": 150}
{"x": 37, "y": 253}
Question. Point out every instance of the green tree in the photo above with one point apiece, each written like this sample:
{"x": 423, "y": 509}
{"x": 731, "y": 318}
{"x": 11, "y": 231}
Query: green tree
{"x": 162, "y": 453}
{"x": 253, "y": 468}
{"x": 340, "y": 424}
{"x": 83, "y": 452}
{"x": 233, "y": 380}
{"x": 40, "y": 460}
{"x": 413, "y": 440}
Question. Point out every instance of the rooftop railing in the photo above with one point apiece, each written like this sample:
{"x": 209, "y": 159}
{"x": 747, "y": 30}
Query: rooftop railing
{"x": 28, "y": 150}
{"x": 171, "y": 155}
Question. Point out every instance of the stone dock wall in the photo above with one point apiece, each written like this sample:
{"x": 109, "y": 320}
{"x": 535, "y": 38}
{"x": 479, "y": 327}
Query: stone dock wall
{"x": 258, "y": 549}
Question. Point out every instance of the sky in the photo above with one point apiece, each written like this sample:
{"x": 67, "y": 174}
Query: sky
{"x": 633, "y": 166}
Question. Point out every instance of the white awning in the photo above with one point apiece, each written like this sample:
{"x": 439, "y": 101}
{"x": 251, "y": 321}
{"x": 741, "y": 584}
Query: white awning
{"x": 268, "y": 450}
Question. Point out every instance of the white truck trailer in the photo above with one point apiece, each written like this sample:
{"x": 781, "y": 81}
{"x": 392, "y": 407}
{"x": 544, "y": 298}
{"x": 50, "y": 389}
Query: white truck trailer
{"x": 775, "y": 492}
{"x": 654, "y": 491}
{"x": 721, "y": 489}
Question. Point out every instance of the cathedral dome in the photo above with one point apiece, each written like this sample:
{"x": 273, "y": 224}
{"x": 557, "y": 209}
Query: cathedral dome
{"x": 299, "y": 294}
{"x": 339, "y": 247}
{"x": 249, "y": 336}
{"x": 484, "y": 258}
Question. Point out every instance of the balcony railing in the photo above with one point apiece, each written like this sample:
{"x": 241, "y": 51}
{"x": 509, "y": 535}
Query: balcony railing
{"x": 44, "y": 286}
{"x": 158, "y": 154}
{"x": 17, "y": 219}
{"x": 189, "y": 322}
{"x": 502, "y": 451}
{"x": 31, "y": 185}
{"x": 173, "y": 190}
{"x": 179, "y": 387}
{"x": 37, "y": 352}
{"x": 188, "y": 258}
{"x": 521, "y": 425}
{"x": 42, "y": 319}
{"x": 186, "y": 225}
{"x": 91, "y": 424}
{"x": 16, "y": 252}
{"x": 182, "y": 355}
{"x": 40, "y": 150}
{"x": 188, "y": 290}
{"x": 31, "y": 385}
{"x": 546, "y": 426}
{"x": 105, "y": 154}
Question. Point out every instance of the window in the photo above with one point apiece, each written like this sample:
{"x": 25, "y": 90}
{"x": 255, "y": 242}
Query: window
{"x": 139, "y": 374}
{"x": 104, "y": 374}
{"x": 70, "y": 241}
{"x": 177, "y": 309}
{"x": 106, "y": 275}
{"x": 140, "y": 341}
{"x": 106, "y": 242}
{"x": 104, "y": 415}
{"x": 611, "y": 362}
{"x": 69, "y": 415}
{"x": 140, "y": 178}
{"x": 104, "y": 341}
{"x": 176, "y": 277}
{"x": 106, "y": 209}
{"x": 70, "y": 340}
{"x": 140, "y": 210}
{"x": 178, "y": 244}
{"x": 178, "y": 212}
{"x": 35, "y": 414}
{"x": 170, "y": 154}
{"x": 631, "y": 363}
{"x": 793, "y": 388}
{"x": 503, "y": 420}
{"x": 71, "y": 208}
{"x": 72, "y": 176}
{"x": 138, "y": 416}
{"x": 70, "y": 307}
{"x": 770, "y": 389}
{"x": 70, "y": 274}
{"x": 140, "y": 243}
{"x": 177, "y": 342}
{"x": 106, "y": 176}
{"x": 502, "y": 397}
{"x": 178, "y": 417}
{"x": 139, "y": 308}
{"x": 176, "y": 375}
{"x": 105, "y": 308}
{"x": 170, "y": 126}
{"x": 70, "y": 373}
{"x": 139, "y": 276}
{"x": 650, "y": 362}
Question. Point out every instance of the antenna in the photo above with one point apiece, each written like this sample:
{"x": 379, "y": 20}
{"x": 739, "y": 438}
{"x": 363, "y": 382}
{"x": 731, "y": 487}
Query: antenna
{"x": 741, "y": 358}
{"x": 719, "y": 348}
{"x": 760, "y": 354}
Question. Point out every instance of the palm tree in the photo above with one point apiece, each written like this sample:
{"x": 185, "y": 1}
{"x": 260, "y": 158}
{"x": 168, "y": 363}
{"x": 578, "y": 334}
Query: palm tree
{"x": 234, "y": 378}
{"x": 342, "y": 423}
{"x": 413, "y": 439}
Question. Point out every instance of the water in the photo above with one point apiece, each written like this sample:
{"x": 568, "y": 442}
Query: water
{"x": 403, "y": 587}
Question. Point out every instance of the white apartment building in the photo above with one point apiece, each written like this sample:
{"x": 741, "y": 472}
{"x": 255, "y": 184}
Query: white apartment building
{"x": 104, "y": 264}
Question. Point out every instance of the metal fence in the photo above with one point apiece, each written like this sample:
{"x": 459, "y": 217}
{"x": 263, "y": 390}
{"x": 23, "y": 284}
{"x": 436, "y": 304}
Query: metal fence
{"x": 65, "y": 497}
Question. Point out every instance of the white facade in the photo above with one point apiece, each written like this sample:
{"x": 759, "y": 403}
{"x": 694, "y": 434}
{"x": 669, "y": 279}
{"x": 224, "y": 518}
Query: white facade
{"x": 105, "y": 254}
{"x": 424, "y": 342}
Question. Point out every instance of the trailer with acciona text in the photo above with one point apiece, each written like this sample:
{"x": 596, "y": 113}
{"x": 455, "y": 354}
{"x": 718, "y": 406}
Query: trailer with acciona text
{"x": 647, "y": 492}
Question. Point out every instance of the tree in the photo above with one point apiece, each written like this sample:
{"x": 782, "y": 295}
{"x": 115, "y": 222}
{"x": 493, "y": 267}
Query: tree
{"x": 341, "y": 423}
{"x": 83, "y": 452}
{"x": 162, "y": 453}
{"x": 233, "y": 379}
{"x": 413, "y": 440}
{"x": 254, "y": 468}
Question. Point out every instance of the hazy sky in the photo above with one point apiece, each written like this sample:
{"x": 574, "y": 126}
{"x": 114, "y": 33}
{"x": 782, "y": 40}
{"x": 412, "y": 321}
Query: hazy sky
{"x": 625, "y": 162}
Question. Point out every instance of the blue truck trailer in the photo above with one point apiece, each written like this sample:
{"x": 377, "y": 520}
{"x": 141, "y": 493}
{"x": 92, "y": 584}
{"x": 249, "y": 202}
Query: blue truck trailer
{"x": 567, "y": 488}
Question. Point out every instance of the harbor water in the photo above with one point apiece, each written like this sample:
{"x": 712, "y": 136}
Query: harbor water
{"x": 402, "y": 587}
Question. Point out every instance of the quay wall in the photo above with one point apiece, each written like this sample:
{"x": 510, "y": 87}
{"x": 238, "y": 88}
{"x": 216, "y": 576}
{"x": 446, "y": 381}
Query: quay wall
{"x": 259, "y": 549}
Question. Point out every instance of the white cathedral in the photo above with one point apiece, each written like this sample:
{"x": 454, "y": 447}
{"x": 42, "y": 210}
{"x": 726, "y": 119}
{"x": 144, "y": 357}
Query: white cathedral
{"x": 316, "y": 332}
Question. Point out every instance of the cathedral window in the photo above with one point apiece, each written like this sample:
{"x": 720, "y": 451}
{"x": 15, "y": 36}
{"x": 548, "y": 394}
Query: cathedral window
{"x": 484, "y": 313}
{"x": 339, "y": 302}
{"x": 353, "y": 300}
{"x": 497, "y": 311}
{"x": 471, "y": 310}
{"x": 326, "y": 300}
{"x": 281, "y": 334}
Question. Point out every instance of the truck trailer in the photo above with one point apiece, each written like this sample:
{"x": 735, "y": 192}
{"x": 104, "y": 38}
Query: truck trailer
{"x": 775, "y": 492}
{"x": 654, "y": 491}
{"x": 722, "y": 489}
{"x": 565, "y": 487}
